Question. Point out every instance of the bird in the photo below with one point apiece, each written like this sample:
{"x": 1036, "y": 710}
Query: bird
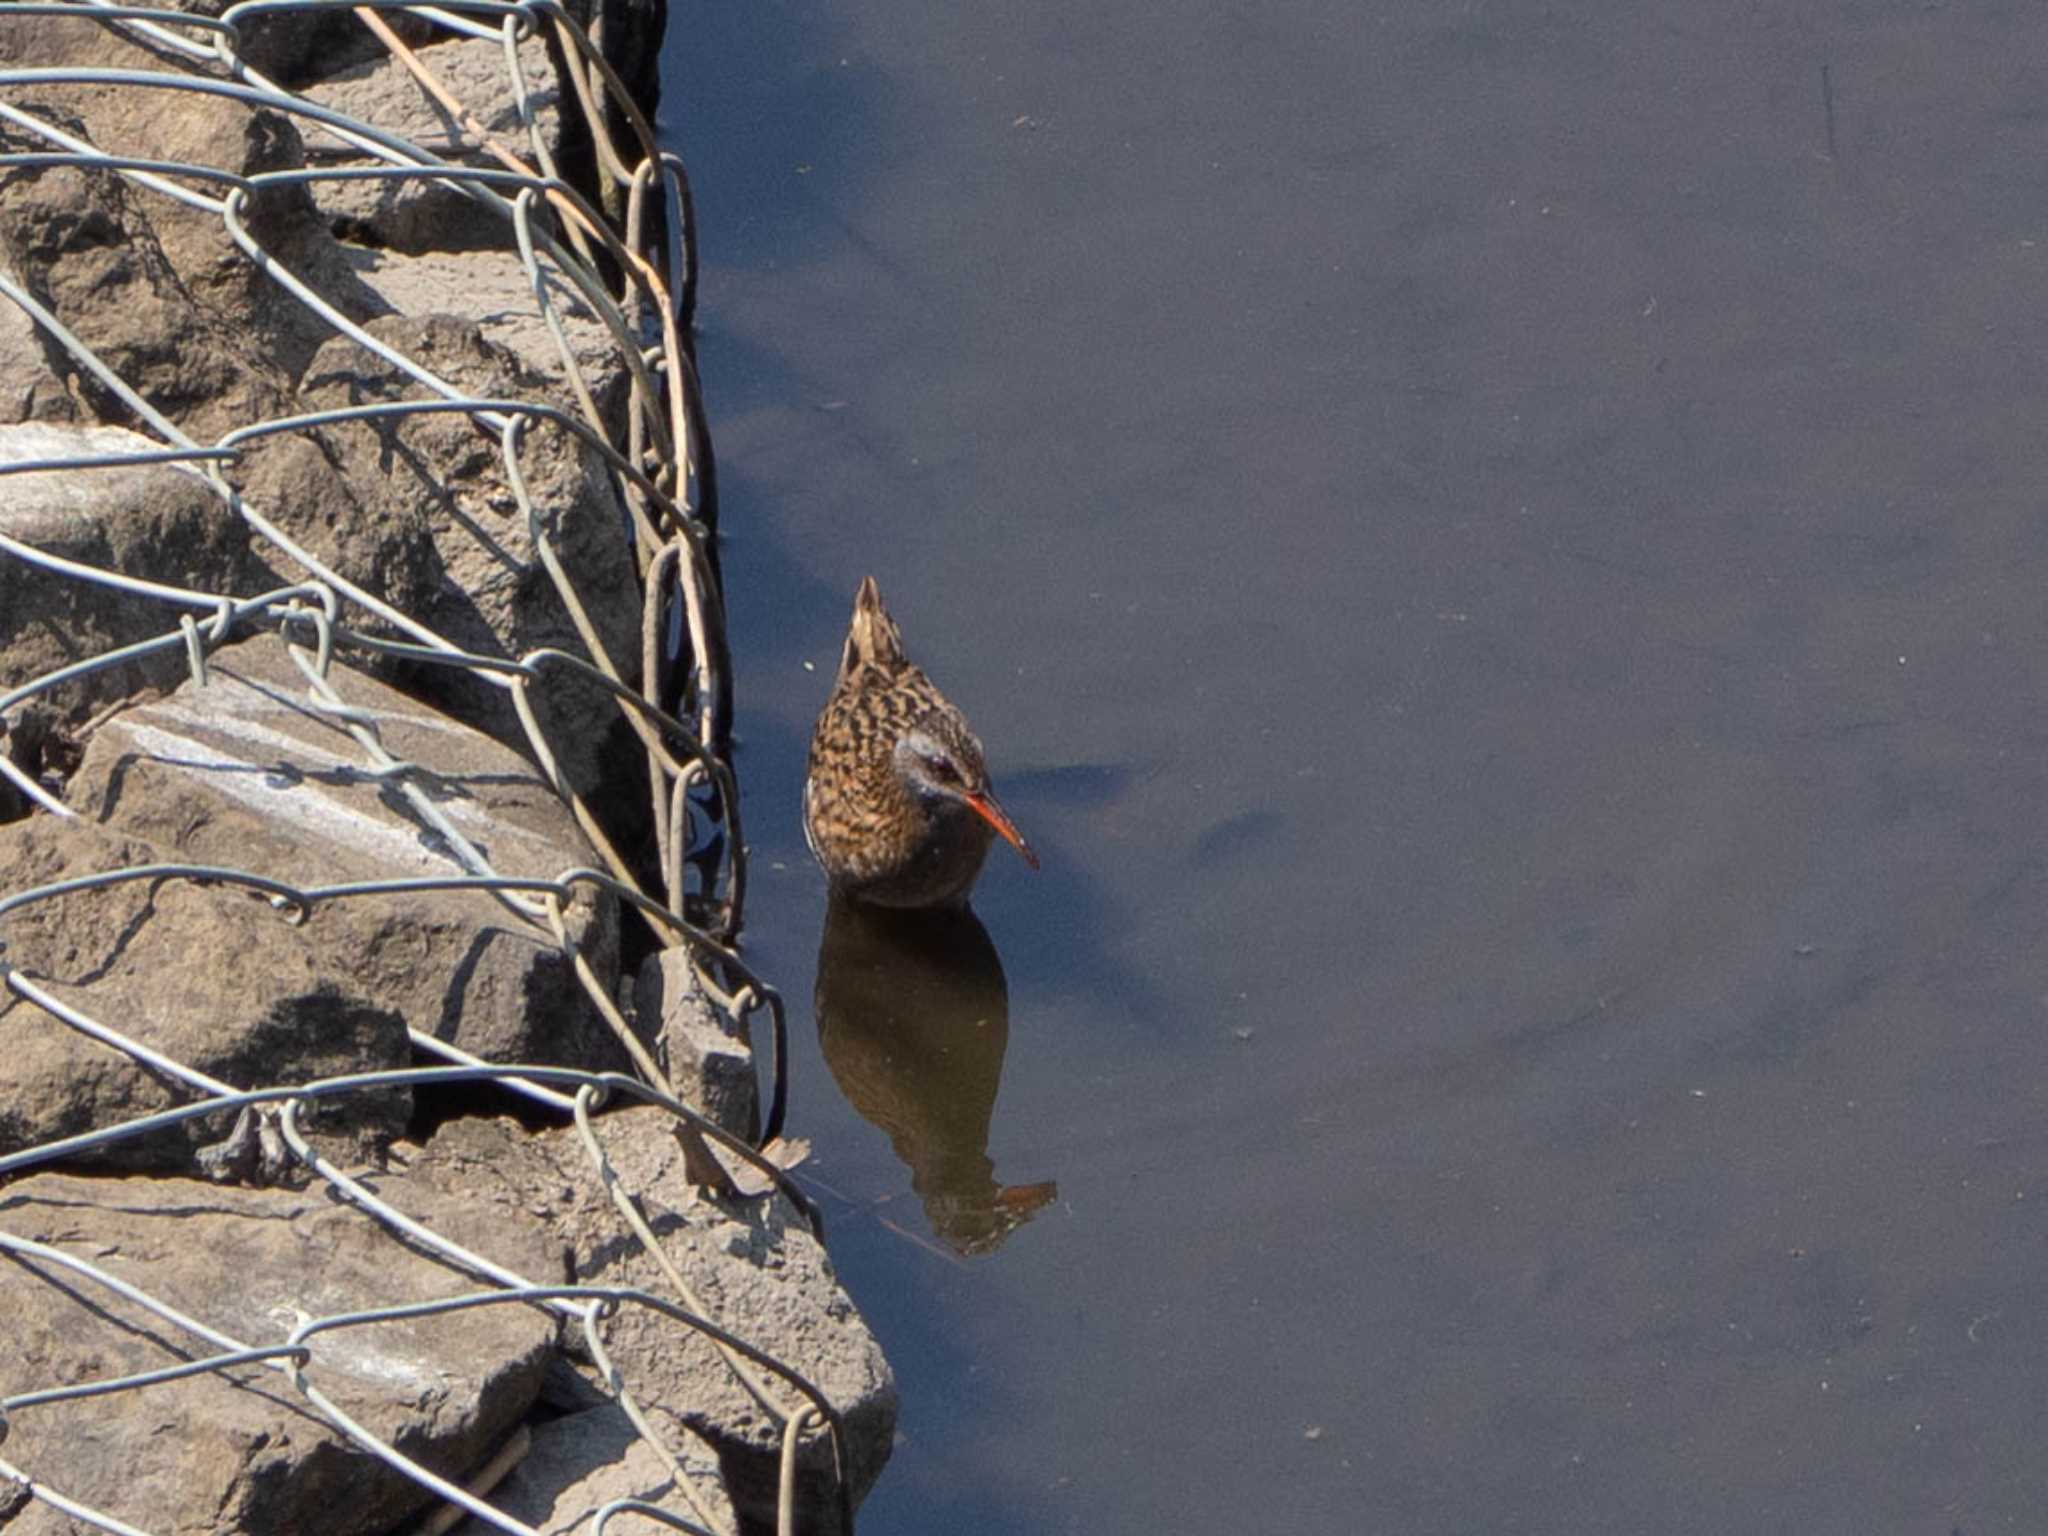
{"x": 897, "y": 804}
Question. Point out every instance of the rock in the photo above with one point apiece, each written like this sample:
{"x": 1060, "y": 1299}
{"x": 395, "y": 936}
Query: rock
{"x": 760, "y": 1274}
{"x": 250, "y": 1454}
{"x": 709, "y": 1055}
{"x": 159, "y": 290}
{"x": 82, "y": 244}
{"x": 346, "y": 519}
{"x": 417, "y": 216}
{"x": 42, "y": 748}
{"x": 159, "y": 522}
{"x": 300, "y": 49}
{"x": 422, "y": 513}
{"x": 173, "y": 966}
{"x": 492, "y": 287}
{"x": 30, "y": 387}
{"x": 757, "y": 1270}
{"x": 159, "y": 294}
{"x": 629, "y": 33}
{"x": 291, "y": 48}
{"x": 583, "y": 1461}
{"x": 244, "y": 773}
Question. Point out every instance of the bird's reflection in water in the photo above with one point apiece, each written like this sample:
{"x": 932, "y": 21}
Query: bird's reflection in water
{"x": 913, "y": 1017}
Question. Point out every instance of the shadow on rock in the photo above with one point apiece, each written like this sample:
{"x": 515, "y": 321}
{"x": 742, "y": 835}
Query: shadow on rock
{"x": 913, "y": 1018}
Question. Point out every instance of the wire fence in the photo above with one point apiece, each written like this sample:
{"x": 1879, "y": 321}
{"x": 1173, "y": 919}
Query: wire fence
{"x": 627, "y": 257}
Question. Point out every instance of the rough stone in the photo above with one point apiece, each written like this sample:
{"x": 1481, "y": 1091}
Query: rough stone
{"x": 760, "y": 1274}
{"x": 159, "y": 522}
{"x": 289, "y": 47}
{"x": 245, "y": 773}
{"x": 415, "y": 216}
{"x": 491, "y": 286}
{"x": 756, "y": 1269}
{"x": 338, "y": 511}
{"x": 172, "y": 965}
{"x": 583, "y": 1461}
{"x": 709, "y": 1056}
{"x": 30, "y": 388}
{"x": 79, "y": 39}
{"x": 39, "y": 745}
{"x": 81, "y": 243}
{"x": 158, "y": 289}
{"x": 243, "y": 1450}
{"x": 299, "y": 50}
{"x": 365, "y": 495}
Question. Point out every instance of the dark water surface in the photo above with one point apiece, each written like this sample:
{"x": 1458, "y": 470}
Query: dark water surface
{"x": 1499, "y": 553}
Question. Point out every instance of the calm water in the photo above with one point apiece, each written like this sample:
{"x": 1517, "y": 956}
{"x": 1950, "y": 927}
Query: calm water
{"x": 1498, "y": 552}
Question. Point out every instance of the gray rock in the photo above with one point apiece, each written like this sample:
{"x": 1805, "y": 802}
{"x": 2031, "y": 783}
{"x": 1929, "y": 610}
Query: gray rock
{"x": 291, "y": 48}
{"x": 249, "y": 1453}
{"x": 300, "y": 50}
{"x": 83, "y": 243}
{"x": 709, "y": 1056}
{"x": 206, "y": 976}
{"x": 158, "y": 289}
{"x": 756, "y": 1269}
{"x": 244, "y": 773}
{"x": 159, "y": 522}
{"x": 241, "y": 774}
{"x": 421, "y": 512}
{"x": 759, "y": 1273}
{"x": 416, "y": 216}
{"x": 585, "y": 1460}
{"x": 39, "y": 745}
{"x": 30, "y": 388}
{"x": 491, "y": 287}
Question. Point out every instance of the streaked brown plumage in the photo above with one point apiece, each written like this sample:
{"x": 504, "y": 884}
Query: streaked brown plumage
{"x": 897, "y": 803}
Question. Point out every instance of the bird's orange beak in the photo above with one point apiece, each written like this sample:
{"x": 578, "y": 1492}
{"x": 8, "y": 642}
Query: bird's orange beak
{"x": 986, "y": 808}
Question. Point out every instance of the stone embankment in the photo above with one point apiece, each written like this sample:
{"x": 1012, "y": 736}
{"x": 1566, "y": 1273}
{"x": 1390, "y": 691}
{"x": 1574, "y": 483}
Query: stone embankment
{"x": 353, "y": 538}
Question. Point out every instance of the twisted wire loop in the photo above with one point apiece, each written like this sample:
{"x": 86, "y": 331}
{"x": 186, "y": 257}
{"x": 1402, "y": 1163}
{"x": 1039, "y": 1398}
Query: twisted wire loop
{"x": 626, "y": 256}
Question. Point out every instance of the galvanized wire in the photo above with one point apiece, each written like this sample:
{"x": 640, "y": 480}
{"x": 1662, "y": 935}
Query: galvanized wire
{"x": 608, "y": 253}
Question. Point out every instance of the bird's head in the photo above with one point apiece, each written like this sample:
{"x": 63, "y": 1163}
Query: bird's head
{"x": 940, "y": 766}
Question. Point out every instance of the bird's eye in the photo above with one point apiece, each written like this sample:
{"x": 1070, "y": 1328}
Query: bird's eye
{"x": 942, "y": 770}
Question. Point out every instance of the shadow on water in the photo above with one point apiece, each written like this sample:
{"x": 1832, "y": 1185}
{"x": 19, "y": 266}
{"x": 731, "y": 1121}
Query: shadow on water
{"x": 914, "y": 1020}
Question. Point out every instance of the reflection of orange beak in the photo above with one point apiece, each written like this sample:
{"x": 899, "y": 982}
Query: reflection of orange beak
{"x": 984, "y": 806}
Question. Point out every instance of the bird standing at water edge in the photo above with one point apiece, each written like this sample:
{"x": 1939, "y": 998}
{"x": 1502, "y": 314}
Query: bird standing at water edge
{"x": 897, "y": 803}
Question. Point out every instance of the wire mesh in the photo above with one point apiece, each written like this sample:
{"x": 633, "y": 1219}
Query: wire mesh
{"x": 628, "y": 257}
